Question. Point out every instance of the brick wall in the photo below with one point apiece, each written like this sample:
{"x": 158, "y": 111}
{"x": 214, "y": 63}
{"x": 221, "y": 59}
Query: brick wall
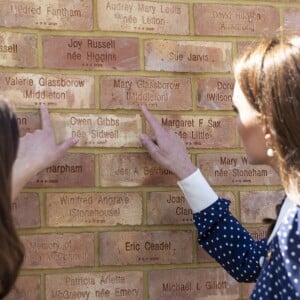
{"x": 106, "y": 222}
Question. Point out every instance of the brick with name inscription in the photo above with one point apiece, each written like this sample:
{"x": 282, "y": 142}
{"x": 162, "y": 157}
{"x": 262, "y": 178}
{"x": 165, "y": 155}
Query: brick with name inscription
{"x": 202, "y": 131}
{"x": 143, "y": 16}
{"x": 25, "y": 209}
{"x": 73, "y": 170}
{"x": 147, "y": 247}
{"x": 187, "y": 56}
{"x": 291, "y": 19}
{"x": 156, "y": 93}
{"x": 26, "y": 288}
{"x": 182, "y": 284}
{"x": 97, "y": 285}
{"x": 93, "y": 209}
{"x": 18, "y": 50}
{"x": 236, "y": 20}
{"x": 47, "y": 14}
{"x": 26, "y": 90}
{"x": 258, "y": 233}
{"x": 91, "y": 53}
{"x": 172, "y": 207}
{"x": 234, "y": 169}
{"x": 58, "y": 250}
{"x": 168, "y": 208}
{"x": 133, "y": 169}
{"x": 257, "y": 205}
{"x": 247, "y": 289}
{"x": 28, "y": 122}
{"x": 98, "y": 130}
{"x": 215, "y": 93}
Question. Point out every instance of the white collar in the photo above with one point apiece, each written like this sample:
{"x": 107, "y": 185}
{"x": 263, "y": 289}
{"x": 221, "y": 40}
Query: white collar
{"x": 286, "y": 206}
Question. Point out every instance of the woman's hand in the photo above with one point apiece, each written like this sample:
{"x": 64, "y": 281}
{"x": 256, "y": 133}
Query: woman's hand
{"x": 166, "y": 148}
{"x": 37, "y": 150}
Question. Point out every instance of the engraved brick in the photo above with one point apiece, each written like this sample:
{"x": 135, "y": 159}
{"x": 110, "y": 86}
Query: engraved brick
{"x": 74, "y": 169}
{"x": 18, "y": 50}
{"x": 202, "y": 131}
{"x": 172, "y": 207}
{"x": 133, "y": 169}
{"x": 291, "y": 19}
{"x": 247, "y": 289}
{"x": 56, "y": 91}
{"x": 93, "y": 53}
{"x": 234, "y": 169}
{"x": 156, "y": 93}
{"x": 187, "y": 56}
{"x": 192, "y": 284}
{"x": 237, "y": 20}
{"x": 92, "y": 209}
{"x": 58, "y": 250}
{"x": 143, "y": 16}
{"x": 215, "y": 93}
{"x": 28, "y": 122}
{"x": 26, "y": 288}
{"x": 168, "y": 208}
{"x": 97, "y": 285}
{"x": 258, "y": 233}
{"x": 257, "y": 205}
{"x": 67, "y": 14}
{"x": 95, "y": 130}
{"x": 26, "y": 210}
{"x": 148, "y": 247}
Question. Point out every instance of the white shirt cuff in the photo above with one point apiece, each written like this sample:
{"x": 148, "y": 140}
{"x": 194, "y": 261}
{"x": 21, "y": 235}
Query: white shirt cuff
{"x": 197, "y": 191}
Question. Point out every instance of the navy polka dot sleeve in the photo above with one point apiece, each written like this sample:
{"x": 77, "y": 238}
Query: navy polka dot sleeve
{"x": 225, "y": 239}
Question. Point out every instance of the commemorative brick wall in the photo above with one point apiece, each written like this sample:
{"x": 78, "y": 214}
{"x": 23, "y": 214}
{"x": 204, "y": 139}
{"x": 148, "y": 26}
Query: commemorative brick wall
{"x": 105, "y": 221}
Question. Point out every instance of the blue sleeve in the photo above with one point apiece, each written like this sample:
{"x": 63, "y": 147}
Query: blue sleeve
{"x": 227, "y": 241}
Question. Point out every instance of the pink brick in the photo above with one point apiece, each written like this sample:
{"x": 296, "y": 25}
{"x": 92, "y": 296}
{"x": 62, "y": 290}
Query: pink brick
{"x": 168, "y": 208}
{"x": 28, "y": 122}
{"x": 26, "y": 288}
{"x": 291, "y": 19}
{"x": 187, "y": 56}
{"x": 215, "y": 93}
{"x": 27, "y": 90}
{"x": 96, "y": 285}
{"x": 206, "y": 284}
{"x": 67, "y": 14}
{"x": 93, "y": 53}
{"x": 26, "y": 210}
{"x": 133, "y": 169}
{"x": 93, "y": 209}
{"x": 95, "y": 130}
{"x": 255, "y": 206}
{"x": 234, "y": 169}
{"x": 148, "y": 247}
{"x": 247, "y": 289}
{"x": 156, "y": 93}
{"x": 258, "y": 233}
{"x": 143, "y": 16}
{"x": 236, "y": 20}
{"x": 18, "y": 50}
{"x": 202, "y": 131}
{"x": 58, "y": 250}
{"x": 73, "y": 170}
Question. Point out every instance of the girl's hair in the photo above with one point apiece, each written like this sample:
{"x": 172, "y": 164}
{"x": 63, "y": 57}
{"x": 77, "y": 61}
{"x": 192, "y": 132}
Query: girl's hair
{"x": 269, "y": 76}
{"x": 12, "y": 251}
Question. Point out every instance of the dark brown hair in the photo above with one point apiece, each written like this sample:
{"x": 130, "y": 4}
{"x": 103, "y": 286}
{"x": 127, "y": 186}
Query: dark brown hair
{"x": 12, "y": 251}
{"x": 269, "y": 76}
